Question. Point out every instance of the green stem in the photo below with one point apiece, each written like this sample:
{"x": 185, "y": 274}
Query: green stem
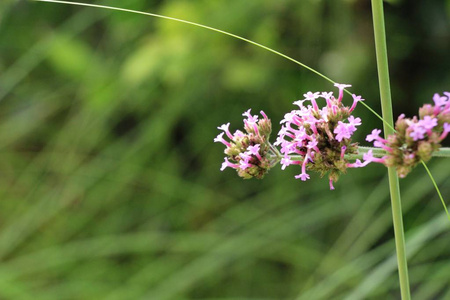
{"x": 386, "y": 105}
{"x": 377, "y": 152}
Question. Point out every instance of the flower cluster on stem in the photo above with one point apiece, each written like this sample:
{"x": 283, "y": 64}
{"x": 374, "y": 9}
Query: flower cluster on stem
{"x": 249, "y": 153}
{"x": 318, "y": 138}
{"x": 415, "y": 139}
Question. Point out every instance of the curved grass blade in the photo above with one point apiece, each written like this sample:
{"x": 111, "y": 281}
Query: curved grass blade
{"x": 437, "y": 189}
{"x": 212, "y": 29}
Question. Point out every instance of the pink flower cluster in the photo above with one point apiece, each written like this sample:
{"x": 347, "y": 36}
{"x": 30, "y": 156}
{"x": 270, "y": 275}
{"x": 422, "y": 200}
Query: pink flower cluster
{"x": 318, "y": 138}
{"x": 415, "y": 139}
{"x": 249, "y": 153}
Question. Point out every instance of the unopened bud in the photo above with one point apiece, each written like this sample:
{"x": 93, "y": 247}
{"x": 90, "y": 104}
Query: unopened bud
{"x": 426, "y": 110}
{"x": 424, "y": 150}
{"x": 265, "y": 128}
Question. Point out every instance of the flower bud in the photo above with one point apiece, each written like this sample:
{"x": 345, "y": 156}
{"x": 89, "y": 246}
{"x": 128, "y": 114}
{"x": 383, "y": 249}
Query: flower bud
{"x": 402, "y": 171}
{"x": 401, "y": 125}
{"x": 424, "y": 150}
{"x": 426, "y": 110}
{"x": 265, "y": 128}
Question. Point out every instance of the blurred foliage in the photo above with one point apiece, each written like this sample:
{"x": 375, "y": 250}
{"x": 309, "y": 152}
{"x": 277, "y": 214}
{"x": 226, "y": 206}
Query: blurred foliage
{"x": 109, "y": 180}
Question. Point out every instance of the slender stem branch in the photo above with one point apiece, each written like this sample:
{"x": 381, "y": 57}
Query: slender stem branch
{"x": 386, "y": 105}
{"x": 377, "y": 152}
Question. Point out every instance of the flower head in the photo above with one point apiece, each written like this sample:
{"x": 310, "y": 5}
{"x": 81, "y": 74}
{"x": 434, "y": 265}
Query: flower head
{"x": 415, "y": 139}
{"x": 318, "y": 137}
{"x": 248, "y": 153}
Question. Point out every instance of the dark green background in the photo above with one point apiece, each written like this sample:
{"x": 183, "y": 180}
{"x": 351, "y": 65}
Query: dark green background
{"x": 109, "y": 178}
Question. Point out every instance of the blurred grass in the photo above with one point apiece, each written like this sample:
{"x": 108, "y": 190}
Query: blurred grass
{"x": 109, "y": 179}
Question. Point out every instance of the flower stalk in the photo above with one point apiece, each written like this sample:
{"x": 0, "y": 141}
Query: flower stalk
{"x": 386, "y": 104}
{"x": 376, "y": 152}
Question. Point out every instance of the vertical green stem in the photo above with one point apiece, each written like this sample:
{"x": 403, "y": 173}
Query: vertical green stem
{"x": 386, "y": 104}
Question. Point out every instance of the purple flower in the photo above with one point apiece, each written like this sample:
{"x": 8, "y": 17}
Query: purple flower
{"x": 448, "y": 100}
{"x": 342, "y": 131}
{"x": 356, "y": 164}
{"x": 327, "y": 95}
{"x": 312, "y": 97}
{"x": 406, "y": 148}
{"x": 225, "y": 128}
{"x": 353, "y": 122}
{"x": 341, "y": 88}
{"x": 324, "y": 113}
{"x": 312, "y": 144}
{"x": 250, "y": 118}
{"x": 226, "y": 163}
{"x": 343, "y": 148}
{"x": 319, "y": 134}
{"x": 251, "y": 121}
{"x": 299, "y": 103}
{"x": 375, "y": 135}
{"x": 378, "y": 144}
{"x": 238, "y": 134}
{"x": 446, "y": 128}
{"x": 418, "y": 132}
{"x": 245, "y": 156}
{"x": 220, "y": 139}
{"x": 439, "y": 101}
{"x": 285, "y": 162}
{"x": 244, "y": 164}
{"x": 368, "y": 158}
{"x": 288, "y": 118}
{"x": 264, "y": 115}
{"x": 428, "y": 122}
{"x": 249, "y": 152}
{"x": 331, "y": 184}
{"x": 303, "y": 176}
{"x": 356, "y": 99}
{"x": 254, "y": 150}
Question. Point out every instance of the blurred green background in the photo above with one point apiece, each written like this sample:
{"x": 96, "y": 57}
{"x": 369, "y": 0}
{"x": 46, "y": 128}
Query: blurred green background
{"x": 109, "y": 178}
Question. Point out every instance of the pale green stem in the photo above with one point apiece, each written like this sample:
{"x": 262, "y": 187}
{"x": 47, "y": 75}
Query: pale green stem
{"x": 377, "y": 152}
{"x": 386, "y": 105}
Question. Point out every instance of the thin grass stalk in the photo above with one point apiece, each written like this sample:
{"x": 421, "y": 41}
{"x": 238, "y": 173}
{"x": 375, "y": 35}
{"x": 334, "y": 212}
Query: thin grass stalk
{"x": 386, "y": 105}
